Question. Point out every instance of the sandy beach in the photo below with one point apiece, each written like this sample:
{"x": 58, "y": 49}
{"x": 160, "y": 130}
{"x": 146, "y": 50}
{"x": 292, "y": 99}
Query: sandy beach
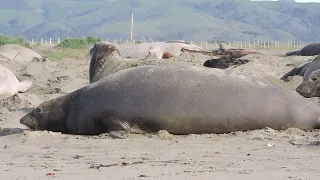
{"x": 264, "y": 154}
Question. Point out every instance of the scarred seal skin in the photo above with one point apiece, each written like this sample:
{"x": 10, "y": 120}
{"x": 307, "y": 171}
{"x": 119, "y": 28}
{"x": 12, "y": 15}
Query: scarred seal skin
{"x": 179, "y": 99}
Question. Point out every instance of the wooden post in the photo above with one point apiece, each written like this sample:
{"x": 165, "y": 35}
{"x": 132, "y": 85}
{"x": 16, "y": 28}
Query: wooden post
{"x": 131, "y": 33}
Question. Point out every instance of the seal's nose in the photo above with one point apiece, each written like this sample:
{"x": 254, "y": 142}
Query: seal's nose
{"x": 29, "y": 122}
{"x": 304, "y": 91}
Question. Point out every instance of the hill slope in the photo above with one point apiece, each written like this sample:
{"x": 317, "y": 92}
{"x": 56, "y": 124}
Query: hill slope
{"x": 199, "y": 20}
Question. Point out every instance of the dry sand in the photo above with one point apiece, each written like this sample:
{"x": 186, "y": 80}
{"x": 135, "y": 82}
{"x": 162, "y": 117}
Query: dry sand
{"x": 260, "y": 154}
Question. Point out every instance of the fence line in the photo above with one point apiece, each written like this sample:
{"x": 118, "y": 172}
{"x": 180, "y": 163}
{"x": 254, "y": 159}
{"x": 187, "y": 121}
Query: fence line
{"x": 260, "y": 44}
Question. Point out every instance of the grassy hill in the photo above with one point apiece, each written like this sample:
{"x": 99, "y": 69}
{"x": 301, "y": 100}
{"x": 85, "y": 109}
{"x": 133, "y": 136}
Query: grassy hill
{"x": 199, "y": 20}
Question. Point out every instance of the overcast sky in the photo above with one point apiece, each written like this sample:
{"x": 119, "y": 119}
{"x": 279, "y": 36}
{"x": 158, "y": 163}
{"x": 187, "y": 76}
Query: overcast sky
{"x": 307, "y": 0}
{"x": 304, "y": 1}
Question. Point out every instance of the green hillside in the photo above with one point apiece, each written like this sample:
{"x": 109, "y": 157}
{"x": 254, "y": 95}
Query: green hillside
{"x": 198, "y": 20}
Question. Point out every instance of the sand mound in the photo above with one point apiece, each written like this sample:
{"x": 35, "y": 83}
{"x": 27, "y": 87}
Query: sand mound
{"x": 18, "y": 53}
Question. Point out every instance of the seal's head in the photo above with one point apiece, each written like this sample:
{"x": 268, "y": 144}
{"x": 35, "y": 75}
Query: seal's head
{"x": 104, "y": 55}
{"x": 50, "y": 115}
{"x": 310, "y": 87}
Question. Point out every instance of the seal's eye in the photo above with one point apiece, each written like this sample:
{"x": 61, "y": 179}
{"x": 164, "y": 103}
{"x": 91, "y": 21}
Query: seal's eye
{"x": 314, "y": 79}
{"x": 38, "y": 110}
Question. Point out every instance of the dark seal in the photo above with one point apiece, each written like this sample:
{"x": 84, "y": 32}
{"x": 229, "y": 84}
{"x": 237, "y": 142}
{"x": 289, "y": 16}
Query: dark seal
{"x": 224, "y": 63}
{"x": 105, "y": 59}
{"x": 308, "y": 50}
{"x": 179, "y": 99}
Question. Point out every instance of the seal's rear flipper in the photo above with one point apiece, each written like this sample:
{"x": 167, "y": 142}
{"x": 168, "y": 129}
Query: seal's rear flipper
{"x": 295, "y": 71}
{"x": 116, "y": 127}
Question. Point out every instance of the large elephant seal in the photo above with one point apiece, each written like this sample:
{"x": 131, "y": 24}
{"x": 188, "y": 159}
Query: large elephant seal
{"x": 10, "y": 85}
{"x": 178, "y": 99}
{"x": 308, "y": 50}
{"x": 303, "y": 70}
{"x": 310, "y": 87}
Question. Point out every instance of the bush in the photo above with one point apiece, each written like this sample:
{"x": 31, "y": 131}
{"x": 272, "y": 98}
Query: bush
{"x": 92, "y": 40}
{"x": 78, "y": 43}
{"x": 19, "y": 40}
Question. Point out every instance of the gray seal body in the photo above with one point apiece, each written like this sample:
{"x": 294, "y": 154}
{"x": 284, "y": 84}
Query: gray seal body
{"x": 176, "y": 98}
{"x": 308, "y": 50}
{"x": 303, "y": 70}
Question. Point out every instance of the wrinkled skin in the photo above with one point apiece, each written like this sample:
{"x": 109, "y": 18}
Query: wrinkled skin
{"x": 310, "y": 87}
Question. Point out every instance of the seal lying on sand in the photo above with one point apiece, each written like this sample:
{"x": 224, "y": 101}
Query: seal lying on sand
{"x": 303, "y": 70}
{"x": 308, "y": 50}
{"x": 10, "y": 85}
{"x": 224, "y": 63}
{"x": 178, "y": 99}
{"x": 310, "y": 87}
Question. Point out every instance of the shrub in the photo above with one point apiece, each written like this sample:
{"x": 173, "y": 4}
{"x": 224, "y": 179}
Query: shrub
{"x": 92, "y": 40}
{"x": 78, "y": 43}
{"x": 19, "y": 40}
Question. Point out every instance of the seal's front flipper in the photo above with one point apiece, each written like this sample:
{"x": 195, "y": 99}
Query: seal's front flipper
{"x": 117, "y": 127}
{"x": 120, "y": 134}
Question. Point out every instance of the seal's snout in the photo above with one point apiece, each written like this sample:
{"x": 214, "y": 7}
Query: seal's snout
{"x": 29, "y": 122}
{"x": 304, "y": 91}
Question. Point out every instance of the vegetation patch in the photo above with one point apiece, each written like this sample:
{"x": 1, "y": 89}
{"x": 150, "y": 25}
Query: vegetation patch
{"x": 56, "y": 54}
{"x": 19, "y": 40}
{"x": 78, "y": 43}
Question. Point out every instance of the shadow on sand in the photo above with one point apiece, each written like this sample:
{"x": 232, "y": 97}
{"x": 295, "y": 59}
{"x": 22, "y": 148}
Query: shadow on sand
{"x": 11, "y": 131}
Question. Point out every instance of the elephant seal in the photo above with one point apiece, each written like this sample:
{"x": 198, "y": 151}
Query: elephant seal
{"x": 303, "y": 70}
{"x": 224, "y": 63}
{"x": 10, "y": 85}
{"x": 105, "y": 59}
{"x": 310, "y": 87}
{"x": 308, "y": 50}
{"x": 179, "y": 99}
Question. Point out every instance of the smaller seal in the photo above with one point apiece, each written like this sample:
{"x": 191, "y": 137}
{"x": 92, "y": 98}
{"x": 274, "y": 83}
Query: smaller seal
{"x": 308, "y": 50}
{"x": 224, "y": 63}
{"x": 10, "y": 85}
{"x": 310, "y": 87}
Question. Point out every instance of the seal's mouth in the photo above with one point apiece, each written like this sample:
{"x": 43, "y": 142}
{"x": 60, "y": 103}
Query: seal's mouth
{"x": 29, "y": 122}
